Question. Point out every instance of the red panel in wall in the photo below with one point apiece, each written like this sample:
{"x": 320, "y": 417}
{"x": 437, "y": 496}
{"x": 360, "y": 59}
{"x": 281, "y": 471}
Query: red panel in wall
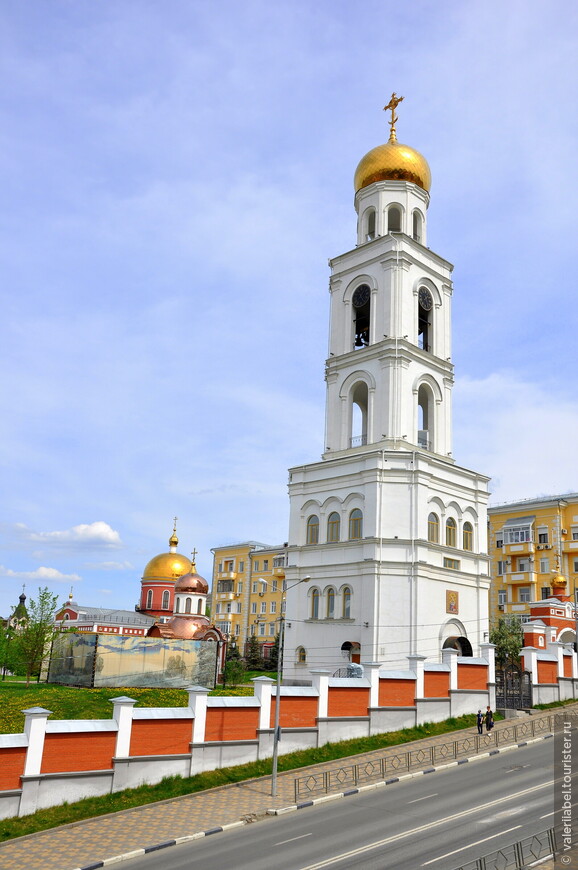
{"x": 232, "y": 723}
{"x": 348, "y": 701}
{"x": 547, "y": 672}
{"x": 161, "y": 736}
{"x": 12, "y": 760}
{"x": 567, "y": 666}
{"x": 296, "y": 712}
{"x": 436, "y": 684}
{"x": 81, "y": 751}
{"x": 473, "y": 677}
{"x": 397, "y": 693}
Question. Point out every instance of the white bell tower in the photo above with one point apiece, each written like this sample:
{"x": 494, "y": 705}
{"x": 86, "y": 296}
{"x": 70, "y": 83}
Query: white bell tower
{"x": 391, "y": 531}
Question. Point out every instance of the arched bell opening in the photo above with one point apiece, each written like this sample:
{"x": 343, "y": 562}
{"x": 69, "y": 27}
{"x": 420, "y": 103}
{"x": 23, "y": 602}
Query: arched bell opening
{"x": 461, "y": 644}
{"x": 359, "y": 407}
{"x": 425, "y": 418}
{"x": 361, "y": 308}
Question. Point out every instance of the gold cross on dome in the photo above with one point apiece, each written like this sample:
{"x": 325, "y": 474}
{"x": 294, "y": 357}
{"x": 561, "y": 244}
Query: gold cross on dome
{"x": 392, "y": 106}
{"x": 194, "y": 554}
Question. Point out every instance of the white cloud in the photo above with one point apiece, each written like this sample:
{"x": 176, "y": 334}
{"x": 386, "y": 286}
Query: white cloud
{"x": 44, "y": 574}
{"x": 111, "y": 566}
{"x": 86, "y": 534}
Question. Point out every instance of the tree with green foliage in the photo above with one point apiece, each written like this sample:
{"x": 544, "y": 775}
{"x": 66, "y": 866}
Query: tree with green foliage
{"x": 233, "y": 672}
{"x": 253, "y": 656}
{"x": 8, "y": 652}
{"x": 34, "y": 636}
{"x": 508, "y": 637}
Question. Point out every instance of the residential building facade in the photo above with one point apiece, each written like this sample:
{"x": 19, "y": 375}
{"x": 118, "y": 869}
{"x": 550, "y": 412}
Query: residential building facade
{"x": 248, "y": 592}
{"x": 531, "y": 542}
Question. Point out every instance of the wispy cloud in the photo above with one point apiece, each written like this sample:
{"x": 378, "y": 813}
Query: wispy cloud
{"x": 93, "y": 535}
{"x": 49, "y": 575}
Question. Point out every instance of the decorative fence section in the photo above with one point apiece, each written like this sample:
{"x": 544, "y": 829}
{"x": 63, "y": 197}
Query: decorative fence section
{"x": 394, "y": 763}
{"x": 519, "y": 855}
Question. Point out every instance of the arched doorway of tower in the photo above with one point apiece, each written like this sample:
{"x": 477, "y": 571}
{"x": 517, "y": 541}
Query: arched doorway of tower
{"x": 567, "y": 636}
{"x": 351, "y": 651}
{"x": 453, "y": 635}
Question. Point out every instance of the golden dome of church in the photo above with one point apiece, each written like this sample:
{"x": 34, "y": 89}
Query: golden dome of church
{"x": 168, "y": 566}
{"x": 393, "y": 161}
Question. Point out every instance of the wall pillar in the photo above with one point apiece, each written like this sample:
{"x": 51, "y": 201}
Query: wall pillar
{"x": 122, "y": 714}
{"x": 530, "y": 656}
{"x": 488, "y": 651}
{"x": 558, "y": 649}
{"x": 198, "y": 706}
{"x": 371, "y": 670}
{"x": 416, "y": 664}
{"x": 450, "y": 658}
{"x": 320, "y": 681}
{"x": 35, "y": 730}
{"x": 262, "y": 689}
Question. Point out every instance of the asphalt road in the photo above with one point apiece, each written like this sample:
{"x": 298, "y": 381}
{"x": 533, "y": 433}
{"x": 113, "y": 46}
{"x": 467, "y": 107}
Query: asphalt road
{"x": 434, "y": 821}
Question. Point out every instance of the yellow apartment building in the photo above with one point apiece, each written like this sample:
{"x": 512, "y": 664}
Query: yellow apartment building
{"x": 530, "y": 542}
{"x": 248, "y": 592}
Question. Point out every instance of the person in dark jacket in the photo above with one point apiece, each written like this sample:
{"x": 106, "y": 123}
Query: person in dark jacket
{"x": 480, "y": 721}
{"x": 489, "y": 719}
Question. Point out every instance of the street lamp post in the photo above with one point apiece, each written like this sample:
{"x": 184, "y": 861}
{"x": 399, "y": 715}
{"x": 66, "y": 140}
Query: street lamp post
{"x": 277, "y": 727}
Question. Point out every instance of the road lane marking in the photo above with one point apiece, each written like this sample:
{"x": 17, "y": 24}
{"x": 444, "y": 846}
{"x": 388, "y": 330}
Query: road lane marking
{"x": 282, "y": 843}
{"x": 423, "y": 828}
{"x": 417, "y": 800}
{"x": 477, "y": 843}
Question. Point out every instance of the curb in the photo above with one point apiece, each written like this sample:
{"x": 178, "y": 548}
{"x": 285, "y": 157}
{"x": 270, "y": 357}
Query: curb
{"x": 135, "y": 853}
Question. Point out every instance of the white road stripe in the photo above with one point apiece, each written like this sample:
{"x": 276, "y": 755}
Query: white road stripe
{"x": 282, "y": 843}
{"x": 477, "y": 843}
{"x": 417, "y": 800}
{"x": 427, "y": 827}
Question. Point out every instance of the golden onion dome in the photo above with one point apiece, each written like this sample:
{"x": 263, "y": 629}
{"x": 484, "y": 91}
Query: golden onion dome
{"x": 393, "y": 161}
{"x": 167, "y": 566}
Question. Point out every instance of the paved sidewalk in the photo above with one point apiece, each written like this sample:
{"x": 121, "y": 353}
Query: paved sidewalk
{"x": 82, "y": 844}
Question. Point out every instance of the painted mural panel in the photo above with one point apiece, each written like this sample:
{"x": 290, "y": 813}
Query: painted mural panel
{"x": 99, "y": 660}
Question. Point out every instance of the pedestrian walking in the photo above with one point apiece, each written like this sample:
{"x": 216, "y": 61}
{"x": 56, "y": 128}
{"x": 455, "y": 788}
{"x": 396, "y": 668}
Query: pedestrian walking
{"x": 489, "y": 719}
{"x": 480, "y": 721}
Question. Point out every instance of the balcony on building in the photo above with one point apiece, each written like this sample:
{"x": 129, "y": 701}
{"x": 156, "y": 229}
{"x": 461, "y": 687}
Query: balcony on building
{"x": 358, "y": 441}
{"x": 520, "y": 578}
{"x": 227, "y": 575}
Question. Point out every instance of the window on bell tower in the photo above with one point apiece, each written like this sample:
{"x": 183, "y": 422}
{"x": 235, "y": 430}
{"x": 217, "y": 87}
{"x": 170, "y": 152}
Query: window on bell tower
{"x": 394, "y": 219}
{"x": 359, "y": 403}
{"x": 425, "y": 418}
{"x": 424, "y": 319}
{"x": 370, "y": 225}
{"x": 361, "y": 303}
{"x": 417, "y": 226}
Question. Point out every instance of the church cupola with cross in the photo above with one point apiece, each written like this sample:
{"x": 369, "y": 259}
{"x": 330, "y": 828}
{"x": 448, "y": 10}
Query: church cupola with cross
{"x": 390, "y": 529}
{"x": 159, "y": 577}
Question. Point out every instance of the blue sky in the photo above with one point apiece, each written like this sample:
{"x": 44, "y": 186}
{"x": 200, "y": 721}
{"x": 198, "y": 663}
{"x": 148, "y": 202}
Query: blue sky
{"x": 174, "y": 177}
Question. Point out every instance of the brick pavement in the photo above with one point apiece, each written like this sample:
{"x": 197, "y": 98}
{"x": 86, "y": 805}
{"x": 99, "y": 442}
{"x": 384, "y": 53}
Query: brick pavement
{"x": 83, "y": 843}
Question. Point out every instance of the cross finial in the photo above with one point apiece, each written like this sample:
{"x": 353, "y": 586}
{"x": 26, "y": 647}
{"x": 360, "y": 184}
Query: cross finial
{"x": 193, "y": 560}
{"x": 175, "y": 523}
{"x": 392, "y": 106}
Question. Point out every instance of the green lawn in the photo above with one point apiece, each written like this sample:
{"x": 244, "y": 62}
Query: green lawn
{"x": 67, "y": 702}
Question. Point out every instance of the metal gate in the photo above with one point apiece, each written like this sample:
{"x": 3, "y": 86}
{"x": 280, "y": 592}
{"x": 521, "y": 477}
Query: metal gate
{"x": 513, "y": 688}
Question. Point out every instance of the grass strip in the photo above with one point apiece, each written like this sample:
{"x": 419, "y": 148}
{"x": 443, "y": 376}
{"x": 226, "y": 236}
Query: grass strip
{"x": 176, "y": 786}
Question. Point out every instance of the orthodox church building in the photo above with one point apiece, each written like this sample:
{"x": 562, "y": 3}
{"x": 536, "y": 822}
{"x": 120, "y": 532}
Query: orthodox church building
{"x": 157, "y": 595}
{"x": 389, "y": 532}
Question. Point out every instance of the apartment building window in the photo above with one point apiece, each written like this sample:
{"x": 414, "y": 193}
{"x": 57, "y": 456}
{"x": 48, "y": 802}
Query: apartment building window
{"x": 256, "y": 565}
{"x": 546, "y": 592}
{"x": 499, "y": 543}
{"x": 265, "y": 564}
{"x": 272, "y": 629}
{"x": 279, "y": 562}
{"x": 254, "y": 588}
{"x": 502, "y": 567}
{"x": 574, "y": 533}
{"x": 239, "y": 607}
{"x": 273, "y": 586}
{"x": 542, "y": 537}
{"x": 523, "y": 564}
{"x": 253, "y": 607}
{"x": 544, "y": 566}
{"x": 220, "y": 567}
{"x": 241, "y": 566}
{"x": 273, "y": 607}
{"x": 452, "y": 563}
{"x": 517, "y": 534}
{"x": 229, "y": 607}
{"x": 237, "y": 629}
{"x": 263, "y": 607}
{"x": 262, "y": 629}
{"x": 575, "y": 566}
{"x": 225, "y": 586}
{"x": 283, "y": 603}
{"x": 239, "y": 588}
{"x": 229, "y": 565}
{"x": 217, "y": 608}
{"x": 502, "y": 597}
{"x": 524, "y": 594}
